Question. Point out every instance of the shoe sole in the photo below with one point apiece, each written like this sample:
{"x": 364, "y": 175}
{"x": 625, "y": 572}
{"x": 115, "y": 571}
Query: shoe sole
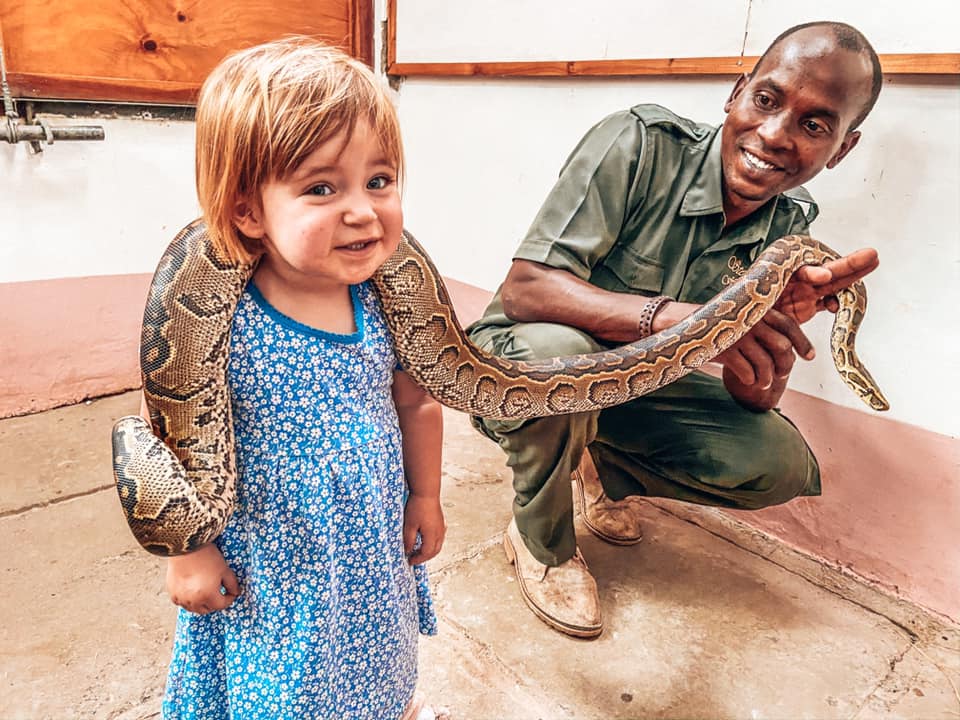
{"x": 612, "y": 539}
{"x": 578, "y": 631}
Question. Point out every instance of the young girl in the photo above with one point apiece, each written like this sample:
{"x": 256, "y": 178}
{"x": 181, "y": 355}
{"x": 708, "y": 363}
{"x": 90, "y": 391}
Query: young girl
{"x": 307, "y": 605}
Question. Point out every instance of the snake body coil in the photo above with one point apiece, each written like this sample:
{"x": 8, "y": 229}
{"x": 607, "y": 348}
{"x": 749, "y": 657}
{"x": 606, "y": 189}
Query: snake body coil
{"x": 177, "y": 480}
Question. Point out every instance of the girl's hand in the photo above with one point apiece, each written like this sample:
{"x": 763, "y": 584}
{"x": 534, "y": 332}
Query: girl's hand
{"x": 201, "y": 581}
{"x": 423, "y": 515}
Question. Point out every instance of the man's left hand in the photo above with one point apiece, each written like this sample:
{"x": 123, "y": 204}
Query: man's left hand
{"x": 812, "y": 288}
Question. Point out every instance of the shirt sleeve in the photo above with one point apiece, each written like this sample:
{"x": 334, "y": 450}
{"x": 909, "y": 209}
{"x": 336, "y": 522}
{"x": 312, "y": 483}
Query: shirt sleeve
{"x": 582, "y": 216}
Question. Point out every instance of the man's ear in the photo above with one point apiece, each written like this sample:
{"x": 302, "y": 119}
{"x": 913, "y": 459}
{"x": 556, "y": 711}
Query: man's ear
{"x": 737, "y": 89}
{"x": 247, "y": 216}
{"x": 848, "y": 144}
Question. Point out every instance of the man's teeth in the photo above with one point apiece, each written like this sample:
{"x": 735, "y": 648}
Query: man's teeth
{"x": 357, "y": 246}
{"x": 755, "y": 162}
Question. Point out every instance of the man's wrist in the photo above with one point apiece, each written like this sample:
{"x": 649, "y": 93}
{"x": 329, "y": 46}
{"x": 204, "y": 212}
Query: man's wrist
{"x": 647, "y": 313}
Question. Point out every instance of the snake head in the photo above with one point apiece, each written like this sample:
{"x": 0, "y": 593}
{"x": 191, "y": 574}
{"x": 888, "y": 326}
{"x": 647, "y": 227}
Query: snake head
{"x": 877, "y": 401}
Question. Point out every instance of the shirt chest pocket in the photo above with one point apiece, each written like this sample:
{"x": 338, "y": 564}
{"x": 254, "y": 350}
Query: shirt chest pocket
{"x": 628, "y": 270}
{"x": 712, "y": 273}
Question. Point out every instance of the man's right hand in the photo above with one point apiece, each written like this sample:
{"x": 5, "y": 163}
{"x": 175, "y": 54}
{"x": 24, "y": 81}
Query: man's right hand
{"x": 194, "y": 580}
{"x": 757, "y": 366}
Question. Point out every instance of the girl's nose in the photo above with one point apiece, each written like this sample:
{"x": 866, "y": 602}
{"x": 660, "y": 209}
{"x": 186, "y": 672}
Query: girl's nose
{"x": 359, "y": 211}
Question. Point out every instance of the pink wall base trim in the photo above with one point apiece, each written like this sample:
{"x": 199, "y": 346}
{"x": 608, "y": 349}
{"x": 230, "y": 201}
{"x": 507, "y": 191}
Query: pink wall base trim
{"x": 69, "y": 339}
{"x": 891, "y": 491}
{"x": 890, "y": 503}
{"x": 65, "y": 340}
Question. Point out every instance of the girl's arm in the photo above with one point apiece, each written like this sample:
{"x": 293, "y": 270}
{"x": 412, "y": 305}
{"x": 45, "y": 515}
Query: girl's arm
{"x": 421, "y": 426}
{"x": 194, "y": 580}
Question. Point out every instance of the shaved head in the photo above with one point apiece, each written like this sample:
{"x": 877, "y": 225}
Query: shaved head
{"x": 845, "y": 37}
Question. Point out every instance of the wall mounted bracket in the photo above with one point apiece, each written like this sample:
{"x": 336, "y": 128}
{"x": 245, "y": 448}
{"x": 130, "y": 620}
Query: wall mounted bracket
{"x": 38, "y": 130}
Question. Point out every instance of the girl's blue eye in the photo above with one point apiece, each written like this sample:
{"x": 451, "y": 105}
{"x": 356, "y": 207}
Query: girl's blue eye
{"x": 378, "y": 183}
{"x": 321, "y": 189}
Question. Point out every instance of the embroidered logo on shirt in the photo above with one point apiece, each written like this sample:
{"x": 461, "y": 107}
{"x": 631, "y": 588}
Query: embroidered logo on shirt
{"x": 735, "y": 264}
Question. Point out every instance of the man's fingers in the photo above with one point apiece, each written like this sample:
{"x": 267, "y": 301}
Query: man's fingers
{"x": 840, "y": 273}
{"x": 782, "y": 336}
{"x": 859, "y": 262}
{"x": 759, "y": 359}
{"x": 736, "y": 363}
{"x": 789, "y": 328}
{"x": 847, "y": 270}
{"x": 779, "y": 346}
{"x": 813, "y": 274}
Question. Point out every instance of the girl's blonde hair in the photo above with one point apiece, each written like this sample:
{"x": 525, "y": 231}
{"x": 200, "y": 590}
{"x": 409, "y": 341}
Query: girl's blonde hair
{"x": 263, "y": 110}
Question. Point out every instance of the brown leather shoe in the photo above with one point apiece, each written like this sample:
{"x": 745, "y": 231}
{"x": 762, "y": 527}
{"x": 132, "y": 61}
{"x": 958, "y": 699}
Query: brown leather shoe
{"x": 564, "y": 597}
{"x": 615, "y": 521}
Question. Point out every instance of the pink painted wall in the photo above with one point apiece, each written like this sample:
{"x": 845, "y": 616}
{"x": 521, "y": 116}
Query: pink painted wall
{"x": 65, "y": 340}
{"x": 891, "y": 490}
{"x": 890, "y": 503}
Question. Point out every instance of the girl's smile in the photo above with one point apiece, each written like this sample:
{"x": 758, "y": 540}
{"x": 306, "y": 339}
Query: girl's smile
{"x": 359, "y": 247}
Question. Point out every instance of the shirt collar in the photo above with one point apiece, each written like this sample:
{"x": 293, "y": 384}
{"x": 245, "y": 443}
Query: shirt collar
{"x": 705, "y": 193}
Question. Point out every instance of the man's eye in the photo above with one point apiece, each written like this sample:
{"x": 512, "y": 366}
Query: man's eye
{"x": 379, "y": 182}
{"x": 320, "y": 189}
{"x": 814, "y": 127}
{"x": 763, "y": 101}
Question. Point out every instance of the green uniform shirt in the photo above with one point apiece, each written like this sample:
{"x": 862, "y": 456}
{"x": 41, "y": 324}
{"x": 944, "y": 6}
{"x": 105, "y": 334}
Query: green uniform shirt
{"x": 638, "y": 208}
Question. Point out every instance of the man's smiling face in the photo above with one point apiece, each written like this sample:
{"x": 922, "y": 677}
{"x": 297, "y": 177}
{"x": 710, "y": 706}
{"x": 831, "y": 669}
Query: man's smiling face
{"x": 791, "y": 118}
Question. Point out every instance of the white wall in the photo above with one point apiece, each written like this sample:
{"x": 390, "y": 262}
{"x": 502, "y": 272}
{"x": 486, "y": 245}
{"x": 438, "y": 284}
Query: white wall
{"x": 482, "y": 155}
{"x": 95, "y": 208}
{"x": 516, "y": 30}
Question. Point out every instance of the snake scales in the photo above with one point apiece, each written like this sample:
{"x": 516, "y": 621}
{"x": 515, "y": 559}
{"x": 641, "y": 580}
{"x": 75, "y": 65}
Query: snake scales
{"x": 177, "y": 480}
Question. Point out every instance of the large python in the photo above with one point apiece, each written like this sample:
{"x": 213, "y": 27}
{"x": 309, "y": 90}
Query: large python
{"x": 177, "y": 479}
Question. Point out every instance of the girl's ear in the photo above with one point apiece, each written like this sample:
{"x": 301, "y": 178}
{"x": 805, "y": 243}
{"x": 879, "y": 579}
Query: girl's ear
{"x": 248, "y": 219}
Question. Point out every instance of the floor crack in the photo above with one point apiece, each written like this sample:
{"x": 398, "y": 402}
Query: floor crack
{"x": 894, "y": 661}
{"x": 470, "y": 553}
{"x": 55, "y": 501}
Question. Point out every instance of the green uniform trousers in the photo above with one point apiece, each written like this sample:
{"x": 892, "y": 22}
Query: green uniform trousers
{"x": 688, "y": 441}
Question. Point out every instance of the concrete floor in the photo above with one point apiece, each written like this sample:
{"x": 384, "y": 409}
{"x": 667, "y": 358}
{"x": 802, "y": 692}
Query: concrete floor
{"x": 704, "y": 619}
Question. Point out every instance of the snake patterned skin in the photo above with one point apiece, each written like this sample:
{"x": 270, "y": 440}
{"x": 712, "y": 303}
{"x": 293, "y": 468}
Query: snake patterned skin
{"x": 177, "y": 479}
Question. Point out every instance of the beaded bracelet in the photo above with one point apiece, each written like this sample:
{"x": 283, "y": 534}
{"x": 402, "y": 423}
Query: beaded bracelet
{"x": 647, "y": 312}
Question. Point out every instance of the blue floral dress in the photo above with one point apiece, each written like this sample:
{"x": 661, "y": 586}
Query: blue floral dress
{"x": 326, "y": 625}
